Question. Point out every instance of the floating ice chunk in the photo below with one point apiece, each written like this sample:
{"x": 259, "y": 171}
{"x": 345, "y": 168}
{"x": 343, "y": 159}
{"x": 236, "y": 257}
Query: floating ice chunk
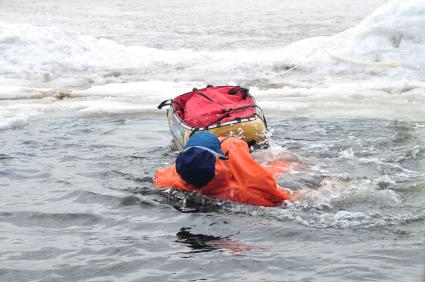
{"x": 347, "y": 154}
{"x": 14, "y": 122}
{"x": 391, "y": 37}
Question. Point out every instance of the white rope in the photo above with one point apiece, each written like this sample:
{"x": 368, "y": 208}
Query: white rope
{"x": 382, "y": 64}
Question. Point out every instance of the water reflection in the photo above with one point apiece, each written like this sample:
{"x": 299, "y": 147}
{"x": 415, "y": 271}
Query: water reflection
{"x": 200, "y": 243}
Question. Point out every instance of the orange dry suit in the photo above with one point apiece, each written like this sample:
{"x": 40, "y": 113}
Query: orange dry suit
{"x": 239, "y": 178}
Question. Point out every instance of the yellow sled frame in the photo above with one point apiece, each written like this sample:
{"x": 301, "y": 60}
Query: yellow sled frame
{"x": 253, "y": 130}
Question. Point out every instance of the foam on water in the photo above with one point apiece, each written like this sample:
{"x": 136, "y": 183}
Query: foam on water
{"x": 336, "y": 200}
{"x": 337, "y": 206}
{"x": 340, "y": 192}
{"x": 339, "y": 211}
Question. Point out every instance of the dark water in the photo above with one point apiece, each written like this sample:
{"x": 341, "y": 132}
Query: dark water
{"x": 77, "y": 204}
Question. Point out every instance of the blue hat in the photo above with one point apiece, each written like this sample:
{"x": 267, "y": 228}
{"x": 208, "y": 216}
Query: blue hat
{"x": 196, "y": 163}
{"x": 204, "y": 139}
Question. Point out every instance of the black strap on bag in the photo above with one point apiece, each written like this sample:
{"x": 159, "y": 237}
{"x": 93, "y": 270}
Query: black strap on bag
{"x": 227, "y": 112}
{"x": 165, "y": 103}
{"x": 245, "y": 93}
{"x": 237, "y": 89}
{"x": 209, "y": 99}
{"x": 233, "y": 91}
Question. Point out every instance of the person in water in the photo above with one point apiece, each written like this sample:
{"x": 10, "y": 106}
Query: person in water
{"x": 223, "y": 171}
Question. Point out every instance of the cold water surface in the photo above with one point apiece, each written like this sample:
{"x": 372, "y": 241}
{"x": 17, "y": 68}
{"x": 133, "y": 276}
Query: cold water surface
{"x": 341, "y": 82}
{"x": 78, "y": 204}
